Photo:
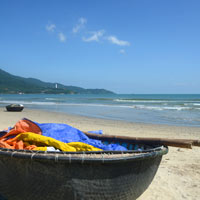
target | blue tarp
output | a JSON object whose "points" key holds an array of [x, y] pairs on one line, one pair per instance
{"points": [[66, 133]]}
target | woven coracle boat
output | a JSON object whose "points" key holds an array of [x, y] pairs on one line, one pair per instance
{"points": [[102, 175], [15, 107]]}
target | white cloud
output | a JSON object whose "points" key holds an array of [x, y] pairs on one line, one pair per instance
{"points": [[122, 51], [82, 20], [61, 37], [116, 41], [81, 24], [51, 27], [94, 37]]}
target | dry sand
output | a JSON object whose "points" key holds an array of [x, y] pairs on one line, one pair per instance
{"points": [[178, 176]]}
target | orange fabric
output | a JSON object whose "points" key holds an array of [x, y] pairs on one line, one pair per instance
{"points": [[21, 126], [5, 145], [13, 145], [19, 145], [30, 147]]}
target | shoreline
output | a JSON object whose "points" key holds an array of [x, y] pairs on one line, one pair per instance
{"points": [[179, 173], [163, 109], [108, 126]]}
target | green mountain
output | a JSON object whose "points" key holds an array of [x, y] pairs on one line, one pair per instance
{"points": [[11, 84]]}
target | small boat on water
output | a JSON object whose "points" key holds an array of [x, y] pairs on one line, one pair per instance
{"points": [[15, 107], [96, 175]]}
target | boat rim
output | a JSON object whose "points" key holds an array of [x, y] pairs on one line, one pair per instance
{"points": [[82, 157]]}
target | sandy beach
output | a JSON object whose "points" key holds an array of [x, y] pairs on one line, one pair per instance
{"points": [[178, 176]]}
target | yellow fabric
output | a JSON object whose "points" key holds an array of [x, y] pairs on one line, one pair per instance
{"points": [[40, 149], [80, 146], [43, 141]]}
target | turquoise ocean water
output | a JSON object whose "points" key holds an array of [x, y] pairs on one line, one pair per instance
{"points": [[180, 109]]}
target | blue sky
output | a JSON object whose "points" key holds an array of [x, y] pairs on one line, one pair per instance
{"points": [[127, 46]]}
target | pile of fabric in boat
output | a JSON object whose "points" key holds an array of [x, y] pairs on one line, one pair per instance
{"points": [[30, 135]]}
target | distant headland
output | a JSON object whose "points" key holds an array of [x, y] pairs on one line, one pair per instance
{"points": [[11, 84]]}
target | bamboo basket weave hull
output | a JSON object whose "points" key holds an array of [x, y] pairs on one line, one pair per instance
{"points": [[26, 175]]}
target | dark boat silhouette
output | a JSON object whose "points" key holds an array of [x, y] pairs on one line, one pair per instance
{"points": [[100, 175], [15, 107]]}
